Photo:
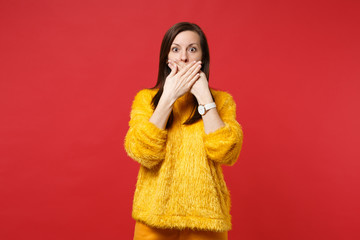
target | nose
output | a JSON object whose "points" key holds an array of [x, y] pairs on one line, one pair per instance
{"points": [[184, 56]]}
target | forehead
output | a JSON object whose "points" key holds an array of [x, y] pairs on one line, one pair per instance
{"points": [[186, 38]]}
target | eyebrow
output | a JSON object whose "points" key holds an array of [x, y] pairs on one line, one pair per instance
{"points": [[189, 44]]}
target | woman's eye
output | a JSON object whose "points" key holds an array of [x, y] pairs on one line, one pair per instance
{"points": [[192, 49], [175, 49]]}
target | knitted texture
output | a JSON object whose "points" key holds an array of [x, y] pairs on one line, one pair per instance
{"points": [[180, 182]]}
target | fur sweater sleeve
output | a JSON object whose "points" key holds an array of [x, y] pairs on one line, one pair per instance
{"points": [[144, 142], [224, 145]]}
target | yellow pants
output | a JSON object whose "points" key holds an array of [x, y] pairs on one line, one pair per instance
{"points": [[145, 232]]}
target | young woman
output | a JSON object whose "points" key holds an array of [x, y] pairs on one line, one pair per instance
{"points": [[181, 132]]}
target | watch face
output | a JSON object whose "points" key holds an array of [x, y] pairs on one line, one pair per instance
{"points": [[201, 110]]}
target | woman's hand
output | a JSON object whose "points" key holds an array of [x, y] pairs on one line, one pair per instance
{"points": [[198, 86], [180, 81], [177, 83], [200, 89]]}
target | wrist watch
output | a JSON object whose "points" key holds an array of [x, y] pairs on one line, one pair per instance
{"points": [[202, 109]]}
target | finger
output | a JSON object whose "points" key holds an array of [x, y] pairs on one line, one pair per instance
{"points": [[194, 73], [175, 62], [173, 68], [180, 64], [193, 70], [187, 67], [194, 79]]}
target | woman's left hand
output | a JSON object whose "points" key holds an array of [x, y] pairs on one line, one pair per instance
{"points": [[201, 90]]}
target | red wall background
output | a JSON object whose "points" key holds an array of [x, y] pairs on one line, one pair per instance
{"points": [[70, 70]]}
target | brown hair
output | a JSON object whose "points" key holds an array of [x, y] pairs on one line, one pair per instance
{"points": [[164, 69]]}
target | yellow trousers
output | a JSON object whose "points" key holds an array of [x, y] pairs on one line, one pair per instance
{"points": [[145, 232]]}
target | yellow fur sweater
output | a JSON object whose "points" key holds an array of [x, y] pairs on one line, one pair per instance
{"points": [[180, 182]]}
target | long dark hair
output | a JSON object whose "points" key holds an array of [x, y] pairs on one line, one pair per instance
{"points": [[164, 69]]}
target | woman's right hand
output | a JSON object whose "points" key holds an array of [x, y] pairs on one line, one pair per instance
{"points": [[179, 82]]}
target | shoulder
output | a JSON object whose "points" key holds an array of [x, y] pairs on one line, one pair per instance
{"points": [[222, 98], [145, 95], [220, 94], [143, 101]]}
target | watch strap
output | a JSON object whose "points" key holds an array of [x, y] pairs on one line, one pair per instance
{"points": [[210, 106]]}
